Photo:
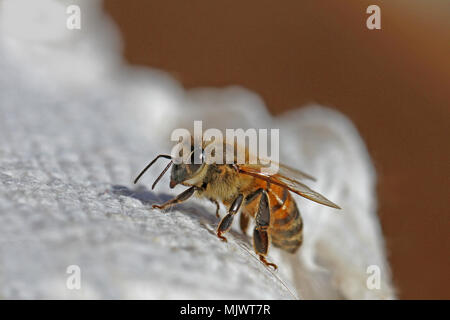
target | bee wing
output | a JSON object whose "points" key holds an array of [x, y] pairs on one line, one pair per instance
{"points": [[295, 174], [288, 178]]}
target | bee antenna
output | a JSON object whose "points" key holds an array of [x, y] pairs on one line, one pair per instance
{"points": [[150, 164], [162, 173]]}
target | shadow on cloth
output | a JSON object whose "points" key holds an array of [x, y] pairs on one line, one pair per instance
{"points": [[206, 219]]}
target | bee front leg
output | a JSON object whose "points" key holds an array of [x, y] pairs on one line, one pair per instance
{"points": [[225, 223], [179, 198], [260, 233]]}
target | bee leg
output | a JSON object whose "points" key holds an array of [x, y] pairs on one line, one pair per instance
{"points": [[243, 222], [261, 245], [244, 219], [217, 207], [179, 198], [260, 233], [225, 223], [263, 260]]}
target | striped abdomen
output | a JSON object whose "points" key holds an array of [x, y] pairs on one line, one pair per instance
{"points": [[286, 228]]}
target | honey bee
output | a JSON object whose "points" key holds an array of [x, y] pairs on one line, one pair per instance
{"points": [[247, 189]]}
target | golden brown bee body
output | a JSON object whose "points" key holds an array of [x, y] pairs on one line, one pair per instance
{"points": [[286, 225], [246, 189], [222, 183]]}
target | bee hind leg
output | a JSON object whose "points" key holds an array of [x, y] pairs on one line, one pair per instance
{"points": [[261, 245], [260, 233], [225, 223], [263, 260]]}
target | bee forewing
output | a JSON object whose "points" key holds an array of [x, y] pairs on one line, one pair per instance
{"points": [[283, 169], [287, 171], [303, 190], [286, 178]]}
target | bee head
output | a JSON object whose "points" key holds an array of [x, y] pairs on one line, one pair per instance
{"points": [[188, 169]]}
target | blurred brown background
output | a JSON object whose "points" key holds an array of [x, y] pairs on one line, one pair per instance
{"points": [[393, 83]]}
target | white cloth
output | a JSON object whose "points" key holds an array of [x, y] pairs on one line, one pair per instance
{"points": [[77, 125]]}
